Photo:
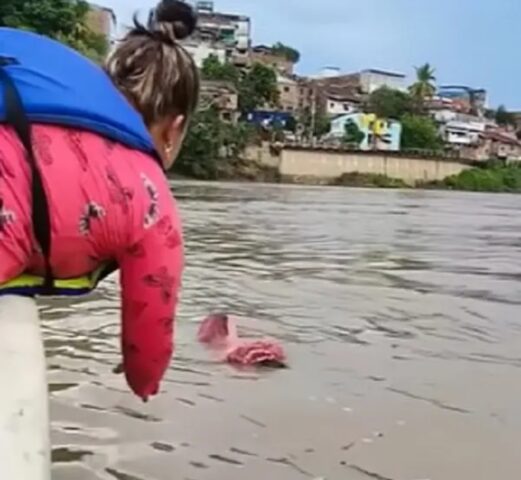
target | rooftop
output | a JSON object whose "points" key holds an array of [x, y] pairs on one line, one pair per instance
{"points": [[217, 84], [286, 79], [502, 137], [262, 48], [462, 87], [384, 72], [349, 98], [217, 17]]}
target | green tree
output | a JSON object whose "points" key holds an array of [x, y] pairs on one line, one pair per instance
{"points": [[258, 87], [210, 144], [419, 132], [388, 103], [63, 20], [504, 117], [424, 87], [491, 177], [213, 69], [201, 149], [353, 134], [322, 125], [287, 52]]}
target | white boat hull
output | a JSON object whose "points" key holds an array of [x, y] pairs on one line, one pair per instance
{"points": [[24, 403]]}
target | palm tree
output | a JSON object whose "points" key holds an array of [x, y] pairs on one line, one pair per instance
{"points": [[424, 88]]}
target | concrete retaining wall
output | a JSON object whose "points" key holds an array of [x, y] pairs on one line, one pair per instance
{"points": [[328, 164]]}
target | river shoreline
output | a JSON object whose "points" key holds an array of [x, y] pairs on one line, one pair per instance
{"points": [[494, 178]]}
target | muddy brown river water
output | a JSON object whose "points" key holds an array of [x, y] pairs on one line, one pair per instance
{"points": [[401, 313]]}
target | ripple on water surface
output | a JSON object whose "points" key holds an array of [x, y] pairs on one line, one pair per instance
{"points": [[400, 312]]}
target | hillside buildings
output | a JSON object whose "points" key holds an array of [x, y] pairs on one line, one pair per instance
{"points": [[227, 36]]}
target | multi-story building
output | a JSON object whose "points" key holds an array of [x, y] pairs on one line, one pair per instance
{"points": [[265, 55], [335, 95], [476, 137], [295, 96], [288, 94], [223, 96], [493, 144], [340, 94], [337, 105], [373, 79], [101, 20], [227, 36], [305, 95], [340, 97], [200, 50], [464, 99], [460, 129]]}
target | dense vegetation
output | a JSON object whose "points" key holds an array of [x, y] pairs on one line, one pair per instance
{"points": [[491, 177], [287, 52], [419, 132], [63, 20], [256, 87], [494, 177], [213, 148]]}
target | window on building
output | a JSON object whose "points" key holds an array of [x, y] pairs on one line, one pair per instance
{"points": [[286, 89], [226, 116]]}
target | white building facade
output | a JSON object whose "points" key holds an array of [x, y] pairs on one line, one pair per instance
{"points": [[372, 79], [460, 129]]}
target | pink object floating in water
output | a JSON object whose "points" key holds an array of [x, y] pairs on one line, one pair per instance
{"points": [[219, 332]]}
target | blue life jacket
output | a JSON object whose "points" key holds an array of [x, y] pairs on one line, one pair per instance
{"points": [[60, 86], [44, 81]]}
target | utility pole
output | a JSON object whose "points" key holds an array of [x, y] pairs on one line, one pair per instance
{"points": [[313, 112]]}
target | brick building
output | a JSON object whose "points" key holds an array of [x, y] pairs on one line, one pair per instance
{"points": [[265, 55], [101, 20]]}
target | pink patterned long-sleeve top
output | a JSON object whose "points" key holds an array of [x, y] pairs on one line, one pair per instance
{"points": [[107, 202]]}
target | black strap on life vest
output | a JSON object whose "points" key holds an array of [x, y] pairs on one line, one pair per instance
{"points": [[16, 118]]}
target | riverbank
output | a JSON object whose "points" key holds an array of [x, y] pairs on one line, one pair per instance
{"points": [[491, 178], [236, 170], [494, 178]]}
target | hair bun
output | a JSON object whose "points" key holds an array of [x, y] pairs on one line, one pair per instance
{"points": [[175, 18]]}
